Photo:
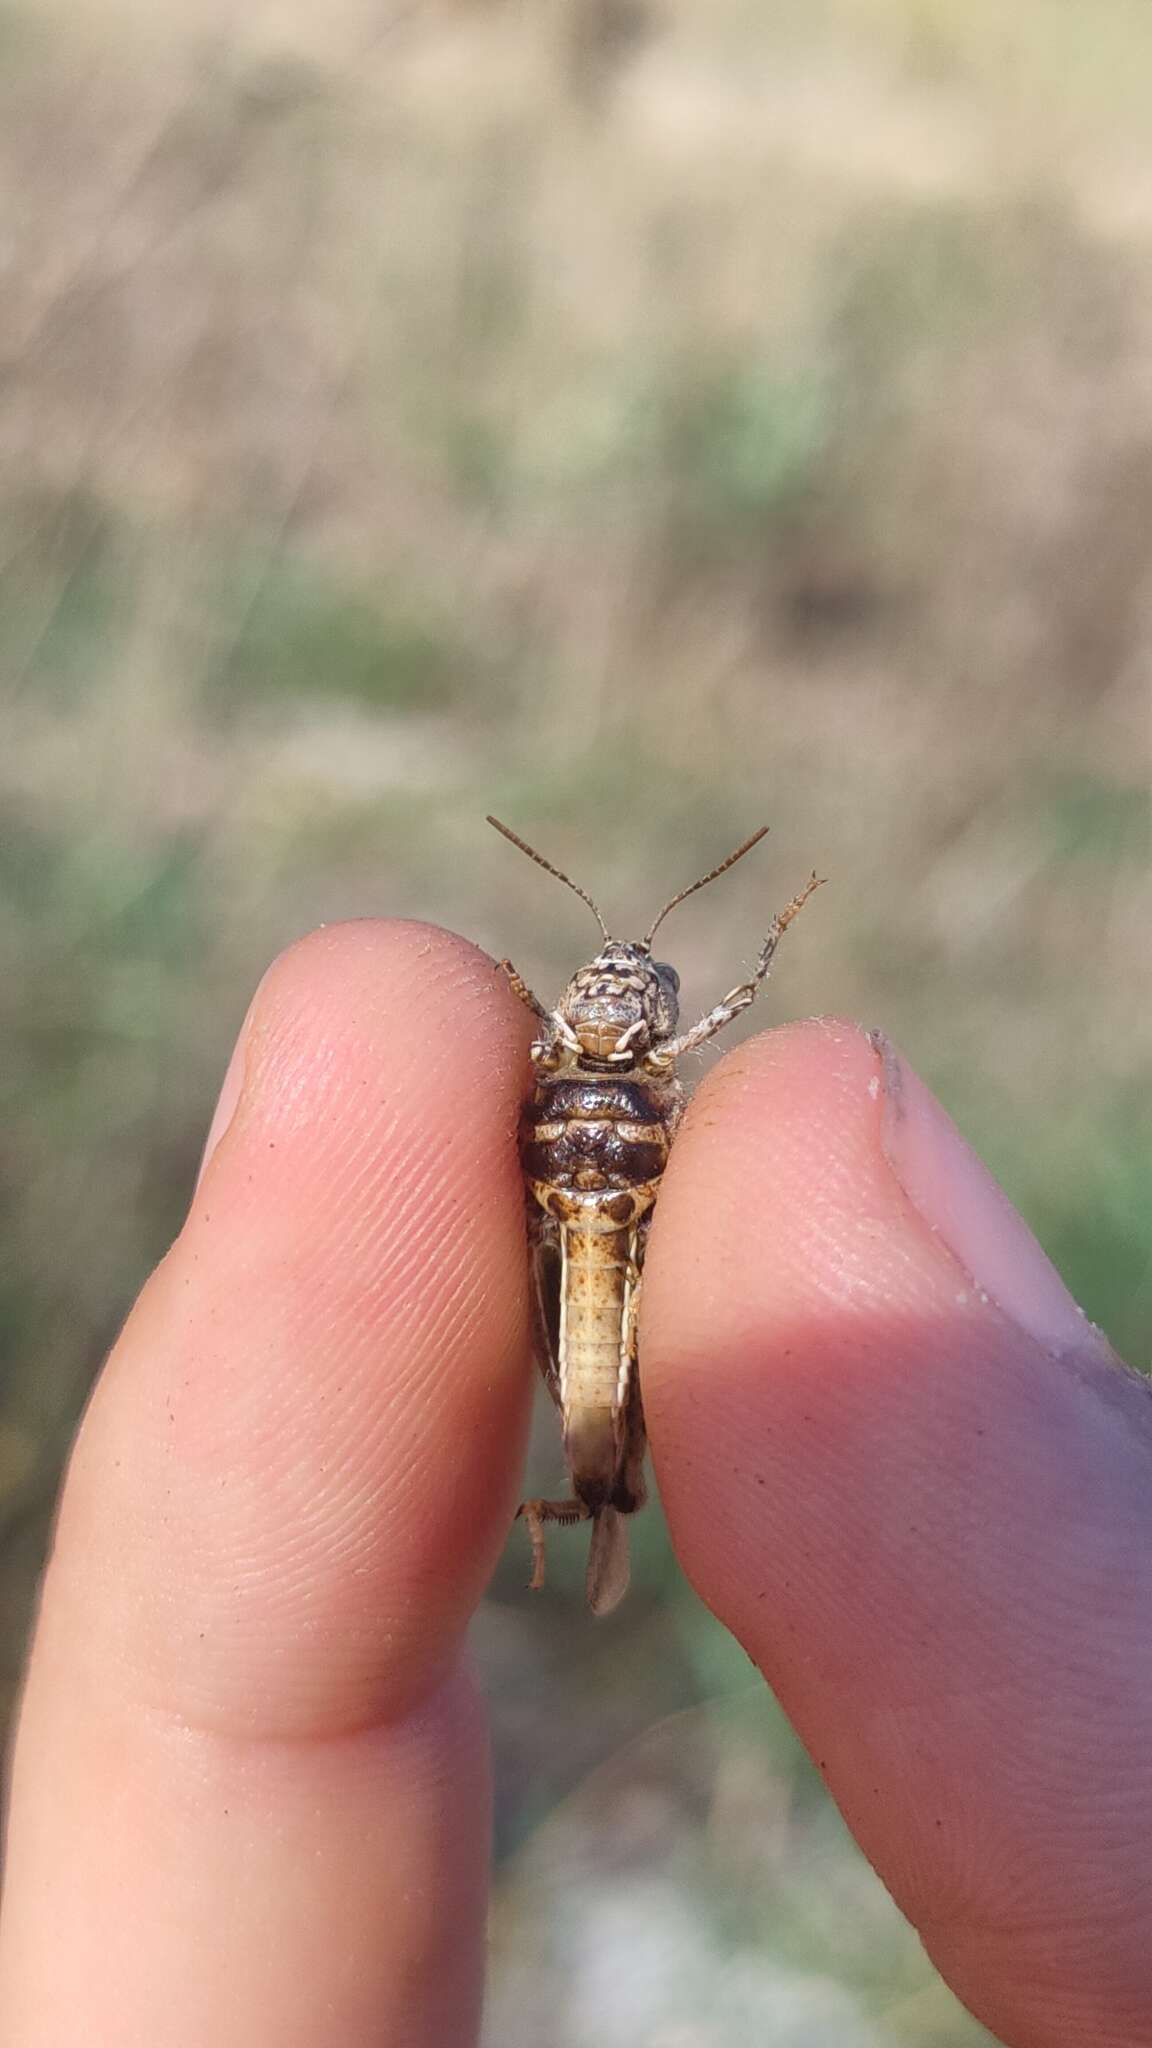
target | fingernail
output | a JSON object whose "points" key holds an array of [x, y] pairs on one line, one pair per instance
{"points": [[227, 1100], [961, 1203]]}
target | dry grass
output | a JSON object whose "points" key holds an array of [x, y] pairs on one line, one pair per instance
{"points": [[626, 416]]}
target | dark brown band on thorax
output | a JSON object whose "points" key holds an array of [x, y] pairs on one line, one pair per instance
{"points": [[591, 1134]]}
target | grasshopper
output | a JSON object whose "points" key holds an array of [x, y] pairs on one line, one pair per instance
{"points": [[594, 1142]]}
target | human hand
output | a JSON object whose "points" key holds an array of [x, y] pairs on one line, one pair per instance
{"points": [[250, 1795]]}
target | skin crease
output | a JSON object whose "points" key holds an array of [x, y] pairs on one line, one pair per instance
{"points": [[250, 1732]]}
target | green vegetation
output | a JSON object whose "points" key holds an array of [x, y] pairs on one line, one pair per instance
{"points": [[302, 634]]}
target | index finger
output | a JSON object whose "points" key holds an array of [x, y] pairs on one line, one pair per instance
{"points": [[248, 1733]]}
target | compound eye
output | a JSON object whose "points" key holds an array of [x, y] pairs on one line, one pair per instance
{"points": [[667, 973]]}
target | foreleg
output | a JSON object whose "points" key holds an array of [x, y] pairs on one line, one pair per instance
{"points": [[522, 992], [737, 999]]}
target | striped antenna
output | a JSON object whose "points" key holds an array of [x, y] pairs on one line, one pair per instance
{"points": [[704, 879], [550, 870]]}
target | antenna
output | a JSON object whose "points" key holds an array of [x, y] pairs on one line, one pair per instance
{"points": [[559, 872], [702, 883]]}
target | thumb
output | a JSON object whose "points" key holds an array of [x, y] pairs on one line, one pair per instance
{"points": [[900, 1465]]}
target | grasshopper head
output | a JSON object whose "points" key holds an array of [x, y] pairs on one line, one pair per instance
{"points": [[621, 1004]]}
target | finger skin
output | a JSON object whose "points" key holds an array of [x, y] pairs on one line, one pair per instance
{"points": [[250, 1799], [933, 1536]]}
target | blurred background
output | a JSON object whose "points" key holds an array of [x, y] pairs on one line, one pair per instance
{"points": [[641, 418]]}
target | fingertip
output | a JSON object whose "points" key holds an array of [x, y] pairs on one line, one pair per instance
{"points": [[775, 1170], [809, 1292], [376, 989], [304, 1455], [923, 1514]]}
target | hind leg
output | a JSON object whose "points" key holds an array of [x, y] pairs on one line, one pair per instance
{"points": [[535, 1513], [630, 1491]]}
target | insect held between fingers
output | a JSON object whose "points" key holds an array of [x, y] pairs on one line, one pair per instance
{"points": [[594, 1142]]}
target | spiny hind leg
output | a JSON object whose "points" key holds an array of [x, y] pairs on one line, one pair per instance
{"points": [[535, 1513], [631, 1312], [544, 1256], [631, 1492], [544, 1247]]}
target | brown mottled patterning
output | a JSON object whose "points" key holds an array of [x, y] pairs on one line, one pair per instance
{"points": [[594, 1144], [594, 1150]]}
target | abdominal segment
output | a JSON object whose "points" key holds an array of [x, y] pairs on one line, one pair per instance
{"points": [[598, 1280], [594, 1150]]}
